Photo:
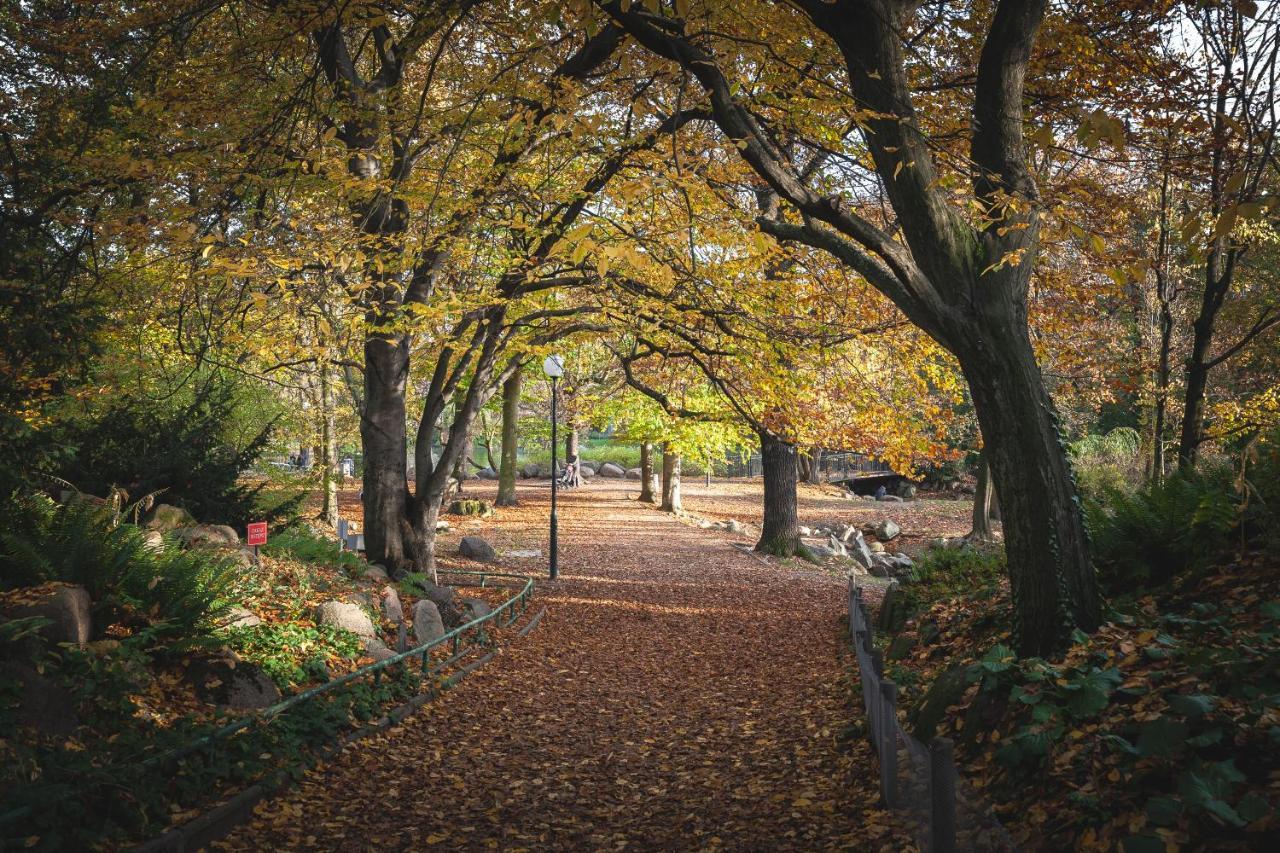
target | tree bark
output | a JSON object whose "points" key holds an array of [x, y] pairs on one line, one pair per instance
{"points": [[1050, 572], [985, 507], [780, 534], [670, 479], [383, 437], [510, 448], [646, 473], [328, 449]]}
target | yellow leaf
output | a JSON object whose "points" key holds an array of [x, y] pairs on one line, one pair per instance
{"points": [[436, 839]]}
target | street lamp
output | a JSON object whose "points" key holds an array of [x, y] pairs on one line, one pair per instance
{"points": [[553, 366]]}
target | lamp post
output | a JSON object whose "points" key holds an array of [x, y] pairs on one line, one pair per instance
{"points": [[553, 366]]}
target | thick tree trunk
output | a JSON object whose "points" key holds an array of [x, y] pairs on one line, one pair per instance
{"points": [[646, 473], [510, 421], [670, 479], [1049, 567], [1163, 371], [328, 449], [985, 508], [780, 534], [463, 433], [383, 437], [815, 466]]}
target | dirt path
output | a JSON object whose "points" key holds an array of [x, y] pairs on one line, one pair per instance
{"points": [[678, 695]]}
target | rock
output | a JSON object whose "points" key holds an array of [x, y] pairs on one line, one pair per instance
{"points": [[240, 617], [42, 705], [375, 574], [819, 551], [705, 524], [392, 610], [475, 548], [531, 470], [207, 534], [427, 622], [836, 546], [67, 608], [890, 499], [166, 517], [945, 691], [609, 469], [939, 542], [441, 525], [237, 685], [377, 650], [635, 474], [487, 474], [351, 617], [875, 547], [474, 608], [735, 526], [858, 550], [887, 531], [893, 610], [881, 565], [587, 472], [242, 557], [805, 532], [470, 506], [906, 491], [153, 540], [584, 466], [929, 633]]}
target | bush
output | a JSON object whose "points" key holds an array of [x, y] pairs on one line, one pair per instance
{"points": [[1108, 463], [82, 544], [1162, 530], [304, 545], [292, 654], [187, 453]]}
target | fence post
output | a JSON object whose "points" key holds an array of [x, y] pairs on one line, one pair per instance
{"points": [[942, 795], [889, 744]]}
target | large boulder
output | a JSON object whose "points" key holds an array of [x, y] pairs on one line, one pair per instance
{"points": [[635, 474], [66, 608], [475, 608], [428, 625], [470, 506], [207, 534], [392, 609], [887, 530], [153, 540], [239, 617], [858, 550], [487, 474], [237, 685], [609, 469], [375, 574], [348, 616], [531, 470], [587, 471], [475, 548], [167, 517]]}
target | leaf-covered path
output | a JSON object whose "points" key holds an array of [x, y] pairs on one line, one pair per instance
{"points": [[679, 694]]}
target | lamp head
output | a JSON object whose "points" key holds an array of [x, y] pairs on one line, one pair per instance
{"points": [[553, 366]]}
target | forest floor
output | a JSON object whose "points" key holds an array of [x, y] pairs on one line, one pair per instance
{"points": [[679, 693]]}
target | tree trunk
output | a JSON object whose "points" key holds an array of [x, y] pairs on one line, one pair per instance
{"points": [[1193, 406], [571, 452], [328, 449], [670, 479], [510, 421], [780, 534], [383, 437], [646, 473], [984, 502], [1049, 567], [463, 433], [815, 466], [1162, 393]]}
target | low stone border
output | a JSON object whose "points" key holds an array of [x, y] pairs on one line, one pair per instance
{"points": [[218, 822]]}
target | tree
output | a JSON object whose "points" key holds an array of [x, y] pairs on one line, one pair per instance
{"points": [[962, 279], [510, 439]]}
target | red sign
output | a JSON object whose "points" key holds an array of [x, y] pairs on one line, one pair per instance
{"points": [[257, 533]]}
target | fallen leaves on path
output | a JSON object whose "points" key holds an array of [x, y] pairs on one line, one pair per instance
{"points": [[678, 694]]}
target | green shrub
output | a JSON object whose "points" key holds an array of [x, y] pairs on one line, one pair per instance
{"points": [[79, 543], [304, 545], [1162, 530], [1108, 463], [292, 654], [965, 569], [188, 453]]}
